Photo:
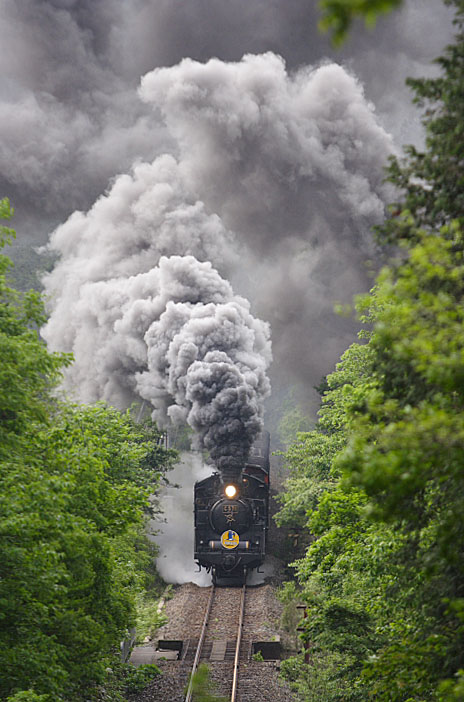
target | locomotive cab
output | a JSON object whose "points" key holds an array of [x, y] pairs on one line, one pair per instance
{"points": [[232, 518]]}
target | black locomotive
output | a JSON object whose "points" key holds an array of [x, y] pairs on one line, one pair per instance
{"points": [[232, 518]]}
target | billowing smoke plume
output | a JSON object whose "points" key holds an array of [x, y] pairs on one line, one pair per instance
{"points": [[178, 337], [209, 355], [277, 181], [173, 528], [271, 151], [69, 119], [293, 164]]}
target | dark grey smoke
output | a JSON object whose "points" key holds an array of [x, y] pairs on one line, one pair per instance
{"points": [[176, 336], [69, 116], [208, 356], [293, 164], [277, 182]]}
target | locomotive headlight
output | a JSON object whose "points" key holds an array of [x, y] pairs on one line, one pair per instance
{"points": [[230, 491]]}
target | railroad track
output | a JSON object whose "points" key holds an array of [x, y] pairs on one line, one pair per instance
{"points": [[221, 637]]}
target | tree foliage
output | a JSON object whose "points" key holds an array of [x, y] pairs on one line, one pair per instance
{"points": [[338, 15], [74, 487], [383, 578], [432, 179]]}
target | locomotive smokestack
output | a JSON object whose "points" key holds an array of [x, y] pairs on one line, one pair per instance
{"points": [[230, 473]]}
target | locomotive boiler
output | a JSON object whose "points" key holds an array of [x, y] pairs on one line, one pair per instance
{"points": [[232, 517]]}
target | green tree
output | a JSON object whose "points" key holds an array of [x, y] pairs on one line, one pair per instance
{"points": [[338, 15], [384, 578], [341, 576], [71, 559], [309, 460], [432, 180], [28, 371], [74, 487]]}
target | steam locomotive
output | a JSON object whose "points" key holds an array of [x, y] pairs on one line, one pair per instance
{"points": [[232, 518]]}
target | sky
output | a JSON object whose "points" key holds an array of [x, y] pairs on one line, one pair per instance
{"points": [[135, 131]]}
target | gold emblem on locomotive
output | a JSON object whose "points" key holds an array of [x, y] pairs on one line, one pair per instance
{"points": [[229, 512]]}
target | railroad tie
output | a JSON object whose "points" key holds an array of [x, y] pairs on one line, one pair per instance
{"points": [[218, 650]]}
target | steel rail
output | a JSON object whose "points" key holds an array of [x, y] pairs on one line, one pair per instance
{"points": [[237, 647], [188, 694]]}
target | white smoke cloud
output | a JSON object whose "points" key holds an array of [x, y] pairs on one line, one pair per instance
{"points": [[293, 164], [178, 337], [278, 179], [268, 150], [173, 529], [144, 215]]}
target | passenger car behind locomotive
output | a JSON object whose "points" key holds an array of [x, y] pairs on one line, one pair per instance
{"points": [[232, 517]]}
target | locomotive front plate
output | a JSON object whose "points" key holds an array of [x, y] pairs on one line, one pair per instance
{"points": [[230, 539]]}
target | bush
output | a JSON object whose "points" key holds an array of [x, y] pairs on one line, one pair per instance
{"points": [[138, 678], [28, 696]]}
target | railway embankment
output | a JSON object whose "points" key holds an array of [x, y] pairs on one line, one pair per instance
{"points": [[261, 634]]}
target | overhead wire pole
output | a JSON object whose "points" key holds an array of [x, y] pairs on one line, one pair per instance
{"points": [[142, 407]]}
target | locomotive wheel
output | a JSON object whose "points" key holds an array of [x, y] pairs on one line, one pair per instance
{"points": [[214, 577]]}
